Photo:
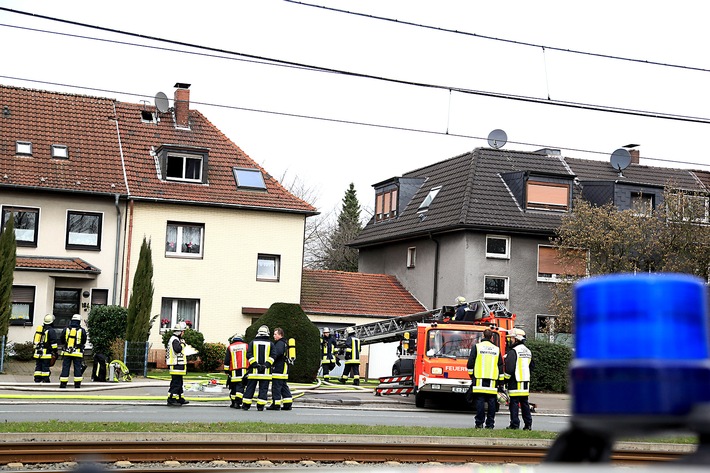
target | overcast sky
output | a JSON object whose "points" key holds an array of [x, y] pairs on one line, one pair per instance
{"points": [[402, 127]]}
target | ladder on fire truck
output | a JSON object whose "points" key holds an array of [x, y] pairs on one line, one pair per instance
{"points": [[394, 329]]}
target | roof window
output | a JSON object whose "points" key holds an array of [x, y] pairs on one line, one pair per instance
{"points": [[23, 147], [429, 199], [147, 117], [249, 178], [60, 152]]}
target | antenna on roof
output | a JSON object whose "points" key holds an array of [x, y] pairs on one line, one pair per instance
{"points": [[161, 102], [497, 139], [620, 160]]}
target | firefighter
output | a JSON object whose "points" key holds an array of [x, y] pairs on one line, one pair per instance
{"points": [[485, 367], [260, 359], [280, 392], [461, 306], [518, 363], [352, 358], [329, 359], [74, 338], [45, 345], [235, 365], [177, 363]]}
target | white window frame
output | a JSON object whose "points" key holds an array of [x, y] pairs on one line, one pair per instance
{"points": [[173, 311], [642, 203], [505, 255], [411, 256], [185, 157], [179, 253], [276, 259], [426, 203], [705, 202], [60, 152], [23, 148], [506, 285]]}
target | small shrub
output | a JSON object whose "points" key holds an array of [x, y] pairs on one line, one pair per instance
{"points": [[551, 369], [22, 351], [212, 357], [106, 323]]}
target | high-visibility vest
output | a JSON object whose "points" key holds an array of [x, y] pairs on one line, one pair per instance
{"points": [[522, 371], [260, 353], [175, 360], [485, 370], [237, 361], [352, 351], [328, 352]]}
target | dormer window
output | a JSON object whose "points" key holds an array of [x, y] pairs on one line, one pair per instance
{"points": [[547, 195], [147, 117], [249, 178], [184, 168], [186, 164], [23, 148], [386, 204], [60, 152], [429, 199]]}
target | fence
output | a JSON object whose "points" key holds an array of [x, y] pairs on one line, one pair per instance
{"points": [[135, 357]]}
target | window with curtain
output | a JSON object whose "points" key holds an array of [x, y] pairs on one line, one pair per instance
{"points": [[174, 310], [184, 239], [267, 267], [23, 303], [552, 266]]}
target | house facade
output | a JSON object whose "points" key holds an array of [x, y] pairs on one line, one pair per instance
{"points": [[479, 225], [226, 237]]}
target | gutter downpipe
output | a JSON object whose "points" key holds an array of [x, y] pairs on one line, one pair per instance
{"points": [[118, 209], [118, 247], [128, 251], [435, 285]]}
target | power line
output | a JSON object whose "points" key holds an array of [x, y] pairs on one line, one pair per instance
{"points": [[502, 40], [482, 93], [349, 122]]}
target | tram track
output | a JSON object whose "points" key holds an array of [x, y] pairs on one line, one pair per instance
{"points": [[137, 452]]}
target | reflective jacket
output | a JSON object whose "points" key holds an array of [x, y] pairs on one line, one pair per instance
{"points": [[235, 361], [45, 341], [328, 348], [74, 339], [485, 367], [260, 358], [174, 356], [280, 354], [518, 362], [352, 350]]}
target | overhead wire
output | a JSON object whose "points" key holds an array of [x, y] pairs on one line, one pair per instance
{"points": [[263, 60]]}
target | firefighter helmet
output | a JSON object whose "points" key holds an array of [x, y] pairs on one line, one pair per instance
{"points": [[518, 334], [76, 317], [460, 300], [350, 330], [237, 337], [263, 331], [48, 319], [326, 330]]}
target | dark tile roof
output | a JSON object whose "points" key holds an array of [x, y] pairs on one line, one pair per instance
{"points": [[473, 195], [43, 118], [87, 126], [359, 294], [38, 263], [591, 170]]}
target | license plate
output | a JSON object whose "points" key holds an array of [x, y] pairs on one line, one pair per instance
{"points": [[457, 389]]}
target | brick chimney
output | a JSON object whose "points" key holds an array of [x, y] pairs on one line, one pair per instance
{"points": [[634, 152], [182, 105]]}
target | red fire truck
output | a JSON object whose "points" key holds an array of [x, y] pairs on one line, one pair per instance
{"points": [[434, 348]]}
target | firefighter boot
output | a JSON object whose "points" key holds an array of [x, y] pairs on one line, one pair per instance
{"points": [[273, 407], [182, 401], [245, 406], [62, 385], [77, 384], [356, 382], [233, 404], [286, 406], [172, 401]]}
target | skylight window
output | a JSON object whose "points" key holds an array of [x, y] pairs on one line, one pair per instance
{"points": [[429, 198], [60, 152], [23, 147], [249, 178]]}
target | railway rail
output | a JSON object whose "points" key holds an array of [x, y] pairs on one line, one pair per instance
{"points": [[290, 452]]}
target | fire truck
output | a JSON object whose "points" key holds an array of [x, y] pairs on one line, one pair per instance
{"points": [[434, 348]]}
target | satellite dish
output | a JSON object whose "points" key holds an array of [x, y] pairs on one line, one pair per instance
{"points": [[161, 102], [497, 139], [620, 159]]}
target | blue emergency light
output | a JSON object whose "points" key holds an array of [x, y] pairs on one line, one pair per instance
{"points": [[641, 346]]}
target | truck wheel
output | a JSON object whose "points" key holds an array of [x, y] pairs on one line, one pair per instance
{"points": [[395, 370], [420, 399]]}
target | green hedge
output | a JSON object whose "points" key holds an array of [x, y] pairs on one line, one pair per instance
{"points": [[106, 323], [212, 357], [551, 369]]}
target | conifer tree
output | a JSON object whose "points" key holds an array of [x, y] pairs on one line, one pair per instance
{"points": [[337, 255], [8, 259], [138, 321]]}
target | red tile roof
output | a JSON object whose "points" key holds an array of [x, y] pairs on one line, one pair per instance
{"points": [[343, 293], [87, 126], [36, 263]]}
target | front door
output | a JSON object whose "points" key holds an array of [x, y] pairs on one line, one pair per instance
{"points": [[66, 304]]}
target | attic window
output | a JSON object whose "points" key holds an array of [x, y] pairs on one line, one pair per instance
{"points": [[429, 198], [547, 196], [184, 168], [249, 178], [147, 117], [386, 204], [60, 152], [23, 147]]}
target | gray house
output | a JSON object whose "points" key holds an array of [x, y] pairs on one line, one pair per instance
{"points": [[479, 225]]}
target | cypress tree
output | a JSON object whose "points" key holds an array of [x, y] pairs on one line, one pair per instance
{"points": [[8, 259], [138, 321]]}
